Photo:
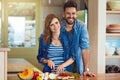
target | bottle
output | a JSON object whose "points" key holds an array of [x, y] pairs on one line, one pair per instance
{"points": [[106, 68], [116, 69], [119, 70], [109, 69], [112, 69]]}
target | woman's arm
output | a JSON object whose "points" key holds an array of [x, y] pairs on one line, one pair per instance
{"points": [[68, 62], [61, 67]]}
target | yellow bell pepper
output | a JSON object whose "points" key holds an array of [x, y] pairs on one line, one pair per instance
{"points": [[38, 78]]}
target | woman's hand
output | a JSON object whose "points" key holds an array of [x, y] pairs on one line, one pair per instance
{"points": [[60, 68], [51, 64]]}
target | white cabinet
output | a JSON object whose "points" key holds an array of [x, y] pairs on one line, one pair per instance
{"points": [[97, 32], [112, 20], [113, 38], [3, 63]]}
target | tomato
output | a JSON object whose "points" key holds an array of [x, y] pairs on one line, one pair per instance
{"points": [[65, 74], [35, 75]]}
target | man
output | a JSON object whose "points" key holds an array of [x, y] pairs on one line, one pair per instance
{"points": [[77, 34]]}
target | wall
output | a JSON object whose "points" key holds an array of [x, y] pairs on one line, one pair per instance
{"points": [[96, 25], [29, 53]]}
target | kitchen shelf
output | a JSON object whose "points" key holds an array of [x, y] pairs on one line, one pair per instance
{"points": [[113, 12], [112, 34], [113, 56]]}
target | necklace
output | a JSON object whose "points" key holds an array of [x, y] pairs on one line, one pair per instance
{"points": [[56, 42]]}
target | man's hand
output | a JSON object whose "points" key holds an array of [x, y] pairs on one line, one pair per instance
{"points": [[88, 73]]}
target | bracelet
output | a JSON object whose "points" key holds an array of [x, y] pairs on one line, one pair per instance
{"points": [[42, 59]]}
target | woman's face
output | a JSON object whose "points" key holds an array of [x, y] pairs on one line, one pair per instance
{"points": [[55, 25]]}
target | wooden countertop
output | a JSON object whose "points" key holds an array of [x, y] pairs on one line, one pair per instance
{"points": [[17, 65], [110, 76]]}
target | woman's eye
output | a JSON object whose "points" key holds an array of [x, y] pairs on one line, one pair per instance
{"points": [[51, 24], [56, 22]]}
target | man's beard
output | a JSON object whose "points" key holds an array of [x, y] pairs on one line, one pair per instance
{"points": [[68, 22]]}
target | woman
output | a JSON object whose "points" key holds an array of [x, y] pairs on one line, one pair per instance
{"points": [[54, 51]]}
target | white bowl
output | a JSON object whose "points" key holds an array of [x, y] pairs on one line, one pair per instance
{"points": [[113, 4], [110, 51], [118, 51]]}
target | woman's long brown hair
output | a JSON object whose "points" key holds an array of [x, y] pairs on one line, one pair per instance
{"points": [[47, 32]]}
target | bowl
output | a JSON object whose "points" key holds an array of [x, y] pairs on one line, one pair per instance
{"points": [[110, 51], [113, 28], [118, 51], [114, 25], [115, 5]]}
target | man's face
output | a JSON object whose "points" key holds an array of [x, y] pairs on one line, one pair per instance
{"points": [[70, 14]]}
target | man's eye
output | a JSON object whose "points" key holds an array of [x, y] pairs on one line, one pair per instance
{"points": [[67, 13], [73, 13]]}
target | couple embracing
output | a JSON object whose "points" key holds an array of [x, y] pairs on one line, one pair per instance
{"points": [[65, 43]]}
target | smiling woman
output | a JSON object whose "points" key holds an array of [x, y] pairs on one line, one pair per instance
{"points": [[54, 51]]}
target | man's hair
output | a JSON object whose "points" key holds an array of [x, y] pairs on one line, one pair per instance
{"points": [[70, 3]]}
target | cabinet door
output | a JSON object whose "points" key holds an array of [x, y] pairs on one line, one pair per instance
{"points": [[0, 23], [20, 22]]}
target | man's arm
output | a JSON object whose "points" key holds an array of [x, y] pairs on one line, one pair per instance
{"points": [[86, 58]]}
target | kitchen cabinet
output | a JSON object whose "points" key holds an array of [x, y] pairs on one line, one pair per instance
{"points": [[112, 35], [3, 63], [112, 17]]}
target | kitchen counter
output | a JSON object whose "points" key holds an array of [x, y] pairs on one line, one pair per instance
{"points": [[110, 76], [16, 65]]}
